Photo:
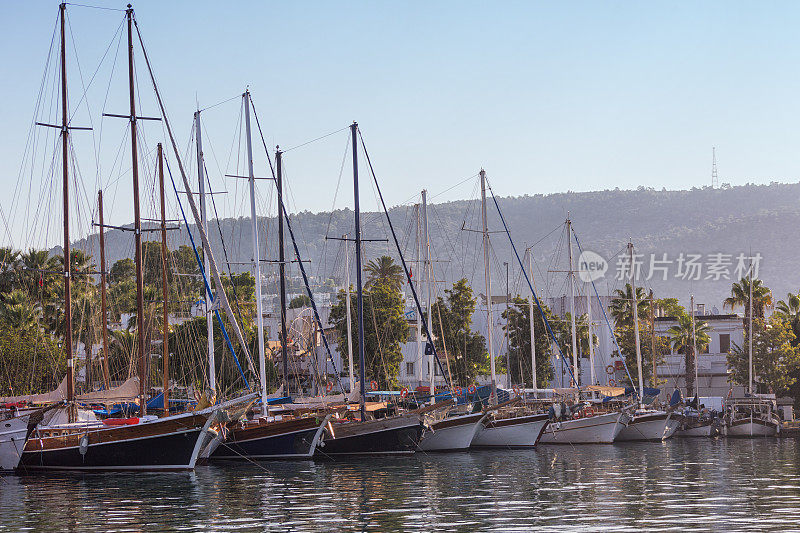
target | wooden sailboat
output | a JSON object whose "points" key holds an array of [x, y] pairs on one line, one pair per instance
{"points": [[395, 435], [73, 439]]}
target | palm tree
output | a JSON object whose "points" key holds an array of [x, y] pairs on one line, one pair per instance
{"points": [[9, 265], [18, 312], [681, 338], [790, 309], [384, 270], [740, 295], [622, 304]]}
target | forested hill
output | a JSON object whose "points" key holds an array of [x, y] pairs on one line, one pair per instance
{"points": [[763, 219]]}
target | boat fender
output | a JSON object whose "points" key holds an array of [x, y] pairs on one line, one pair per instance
{"points": [[576, 415], [556, 410], [610, 370], [404, 392], [588, 411], [373, 385], [84, 444]]}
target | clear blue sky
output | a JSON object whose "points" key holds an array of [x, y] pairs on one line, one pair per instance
{"points": [[547, 96]]}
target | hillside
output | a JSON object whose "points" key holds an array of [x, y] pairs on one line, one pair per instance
{"points": [[731, 220]]}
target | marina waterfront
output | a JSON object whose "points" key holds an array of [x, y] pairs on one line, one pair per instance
{"points": [[680, 484]]}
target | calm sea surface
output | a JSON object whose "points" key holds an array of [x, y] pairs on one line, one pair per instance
{"points": [[678, 485]]}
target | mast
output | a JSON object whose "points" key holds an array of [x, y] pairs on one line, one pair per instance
{"points": [[636, 322], [591, 335], [533, 332], [420, 352], [262, 361], [67, 256], [572, 306], [428, 275], [653, 338], [282, 270], [750, 333], [165, 295], [349, 317], [694, 351], [212, 366], [488, 284], [138, 227], [508, 351], [103, 308], [359, 287]]}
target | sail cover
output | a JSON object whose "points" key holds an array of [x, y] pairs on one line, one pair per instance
{"points": [[57, 395]]}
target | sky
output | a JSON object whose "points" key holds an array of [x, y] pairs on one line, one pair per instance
{"points": [[546, 96]]}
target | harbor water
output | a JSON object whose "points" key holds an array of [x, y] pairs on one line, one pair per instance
{"points": [[697, 484]]}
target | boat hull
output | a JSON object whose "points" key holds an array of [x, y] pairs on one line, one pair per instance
{"points": [[386, 436], [754, 427], [13, 434], [284, 439], [598, 429], [455, 433], [170, 443], [650, 427], [518, 432]]}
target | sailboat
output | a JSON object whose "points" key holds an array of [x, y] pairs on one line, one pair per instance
{"points": [[266, 436], [753, 415], [646, 424], [71, 438], [394, 435], [587, 421], [513, 424]]}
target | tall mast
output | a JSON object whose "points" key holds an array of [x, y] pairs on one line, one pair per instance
{"points": [[165, 295], [694, 351], [67, 258], [212, 365], [508, 351], [571, 274], [591, 334], [262, 361], [636, 322], [531, 324], [428, 276], [488, 279], [138, 227], [359, 287], [420, 268], [349, 315], [103, 308], [654, 379], [750, 332], [282, 270]]}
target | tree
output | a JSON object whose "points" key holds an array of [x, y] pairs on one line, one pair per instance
{"points": [[466, 349], [385, 328], [518, 328], [622, 304], [33, 361], [18, 312], [776, 361], [301, 300], [384, 270], [790, 310], [681, 338], [625, 332], [740, 296]]}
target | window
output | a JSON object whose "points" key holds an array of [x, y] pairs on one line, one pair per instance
{"points": [[409, 369], [724, 342]]}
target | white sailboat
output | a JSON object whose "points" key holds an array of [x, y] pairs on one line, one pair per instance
{"points": [[13, 434], [503, 428], [646, 424]]}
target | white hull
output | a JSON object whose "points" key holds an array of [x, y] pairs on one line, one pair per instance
{"points": [[599, 429], [699, 431], [13, 432], [456, 433], [650, 427], [755, 428], [520, 432]]}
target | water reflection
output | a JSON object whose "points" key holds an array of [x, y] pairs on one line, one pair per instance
{"points": [[689, 483]]}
